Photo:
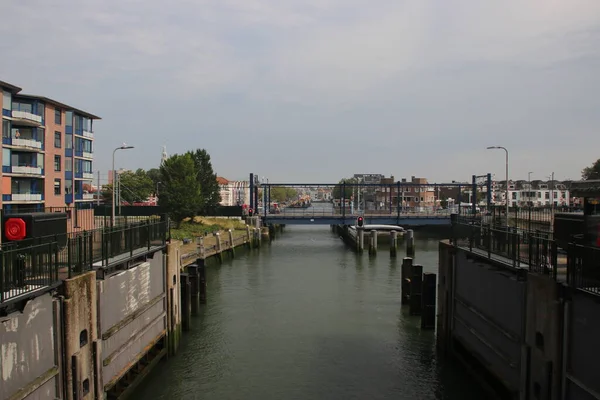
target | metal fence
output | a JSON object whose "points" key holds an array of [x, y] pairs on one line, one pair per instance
{"points": [[536, 252], [527, 218], [583, 268], [43, 262]]}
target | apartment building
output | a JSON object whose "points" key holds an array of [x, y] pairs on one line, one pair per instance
{"points": [[536, 193], [47, 155], [413, 194]]}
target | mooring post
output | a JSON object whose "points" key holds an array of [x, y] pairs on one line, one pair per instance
{"points": [[200, 245], [201, 280], [405, 279], [360, 239], [428, 301], [186, 301], [231, 244], [248, 236], [219, 246], [416, 278], [373, 245], [410, 243], [393, 243], [194, 288]]}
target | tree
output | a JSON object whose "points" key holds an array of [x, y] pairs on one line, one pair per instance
{"points": [[282, 194], [591, 172], [180, 191], [135, 187], [207, 179], [337, 190], [154, 175]]}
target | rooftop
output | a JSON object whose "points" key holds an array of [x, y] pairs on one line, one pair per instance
{"points": [[57, 103]]}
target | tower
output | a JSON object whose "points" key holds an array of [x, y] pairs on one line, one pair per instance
{"points": [[164, 155]]}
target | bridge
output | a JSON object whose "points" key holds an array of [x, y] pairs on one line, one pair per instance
{"points": [[409, 204], [322, 216]]}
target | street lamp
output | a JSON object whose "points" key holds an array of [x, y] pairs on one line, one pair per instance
{"points": [[529, 195], [123, 147], [506, 151]]}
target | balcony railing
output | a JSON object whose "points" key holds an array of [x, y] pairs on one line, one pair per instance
{"points": [[27, 116], [88, 134], [22, 142], [27, 170], [88, 175], [86, 154], [26, 197], [88, 196]]}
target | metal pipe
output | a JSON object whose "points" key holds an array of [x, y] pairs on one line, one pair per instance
{"points": [[123, 147]]}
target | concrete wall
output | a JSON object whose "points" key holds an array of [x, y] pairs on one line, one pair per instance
{"points": [[132, 316], [488, 319], [173, 262], [81, 337], [30, 351], [583, 352]]}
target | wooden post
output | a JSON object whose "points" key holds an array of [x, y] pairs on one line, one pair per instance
{"points": [[231, 244], [201, 280], [186, 301], [360, 239], [405, 279], [393, 243], [410, 243], [428, 301], [373, 245], [194, 288], [416, 277]]}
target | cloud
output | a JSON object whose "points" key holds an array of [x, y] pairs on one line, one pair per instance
{"points": [[425, 79]]}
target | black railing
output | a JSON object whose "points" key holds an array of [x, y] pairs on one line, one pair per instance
{"points": [[42, 262], [527, 218], [583, 268], [536, 252]]}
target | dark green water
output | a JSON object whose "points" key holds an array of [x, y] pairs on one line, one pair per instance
{"points": [[305, 318]]}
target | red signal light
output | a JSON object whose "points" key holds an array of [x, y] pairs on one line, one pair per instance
{"points": [[15, 229]]}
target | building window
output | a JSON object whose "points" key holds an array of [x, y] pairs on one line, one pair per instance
{"points": [[68, 141], [57, 143], [68, 164], [57, 116], [6, 100], [56, 163], [57, 189]]}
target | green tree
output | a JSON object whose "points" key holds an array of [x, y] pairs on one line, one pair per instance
{"points": [[207, 179], [337, 190], [154, 175], [281, 194], [135, 187], [591, 172], [180, 191]]}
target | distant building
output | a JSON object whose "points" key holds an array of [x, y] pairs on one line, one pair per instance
{"points": [[233, 193], [536, 193], [413, 194]]}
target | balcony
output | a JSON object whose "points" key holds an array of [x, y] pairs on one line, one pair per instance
{"points": [[85, 154], [23, 170], [88, 175], [88, 134], [26, 144], [88, 196], [26, 118]]}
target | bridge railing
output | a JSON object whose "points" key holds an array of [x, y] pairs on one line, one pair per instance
{"points": [[337, 212]]}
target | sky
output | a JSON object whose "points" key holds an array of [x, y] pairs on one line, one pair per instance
{"points": [[305, 91]]}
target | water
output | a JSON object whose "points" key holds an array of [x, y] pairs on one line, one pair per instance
{"points": [[306, 318]]}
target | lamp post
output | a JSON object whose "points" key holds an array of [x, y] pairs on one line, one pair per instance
{"points": [[123, 147], [506, 151], [529, 194]]}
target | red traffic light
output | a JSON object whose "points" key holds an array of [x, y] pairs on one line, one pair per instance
{"points": [[15, 229], [359, 221]]}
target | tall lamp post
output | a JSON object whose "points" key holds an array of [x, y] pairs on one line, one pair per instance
{"points": [[506, 151], [529, 194], [123, 147]]}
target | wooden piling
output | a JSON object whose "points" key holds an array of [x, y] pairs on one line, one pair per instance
{"points": [[416, 277], [201, 280], [373, 244], [410, 243], [186, 301], [405, 279], [393, 243], [428, 301]]}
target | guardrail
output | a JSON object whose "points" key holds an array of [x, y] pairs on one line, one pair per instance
{"points": [[334, 213], [535, 251], [583, 268], [43, 262]]}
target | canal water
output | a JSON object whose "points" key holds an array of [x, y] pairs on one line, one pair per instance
{"points": [[306, 318]]}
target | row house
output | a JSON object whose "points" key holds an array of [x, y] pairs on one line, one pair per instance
{"points": [[47, 154], [535, 193]]}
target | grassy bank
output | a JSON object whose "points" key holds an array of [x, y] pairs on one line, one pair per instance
{"points": [[201, 226]]}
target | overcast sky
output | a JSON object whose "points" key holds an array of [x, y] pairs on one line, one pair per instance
{"points": [[315, 90]]}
